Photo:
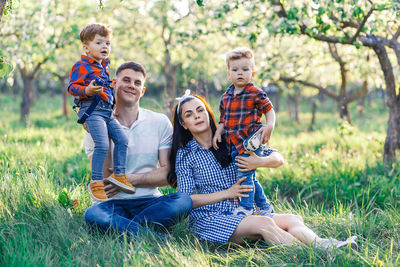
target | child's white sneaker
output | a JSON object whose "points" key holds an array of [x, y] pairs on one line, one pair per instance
{"points": [[332, 243]]}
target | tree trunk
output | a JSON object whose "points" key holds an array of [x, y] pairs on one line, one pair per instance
{"points": [[342, 100], [393, 128], [202, 88], [361, 102], [27, 96], [289, 106], [296, 101], [170, 79], [313, 113], [277, 98], [15, 87], [2, 7], [65, 103], [344, 111]]}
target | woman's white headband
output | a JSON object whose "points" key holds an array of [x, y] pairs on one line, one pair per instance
{"points": [[186, 95]]}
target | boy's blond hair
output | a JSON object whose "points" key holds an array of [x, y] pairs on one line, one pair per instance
{"points": [[89, 31], [238, 53]]}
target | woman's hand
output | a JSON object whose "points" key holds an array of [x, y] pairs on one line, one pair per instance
{"points": [[237, 189], [249, 163]]}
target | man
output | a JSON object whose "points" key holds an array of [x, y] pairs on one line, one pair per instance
{"points": [[147, 164]]}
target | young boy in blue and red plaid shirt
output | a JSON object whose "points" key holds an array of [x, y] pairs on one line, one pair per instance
{"points": [[99, 120], [241, 108]]}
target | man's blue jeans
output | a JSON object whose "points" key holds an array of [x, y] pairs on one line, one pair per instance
{"points": [[130, 215], [101, 125], [256, 196]]}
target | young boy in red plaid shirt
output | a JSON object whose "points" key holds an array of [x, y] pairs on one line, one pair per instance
{"points": [[96, 103], [241, 108]]}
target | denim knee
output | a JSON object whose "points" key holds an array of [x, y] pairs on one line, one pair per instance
{"points": [[102, 147], [94, 215], [183, 203]]}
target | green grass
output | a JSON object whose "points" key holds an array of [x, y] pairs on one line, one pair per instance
{"points": [[334, 178]]}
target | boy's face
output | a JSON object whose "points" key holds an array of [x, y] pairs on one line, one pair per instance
{"points": [[240, 72], [129, 86], [99, 48]]}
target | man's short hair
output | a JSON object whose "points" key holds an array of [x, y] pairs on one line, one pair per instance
{"points": [[238, 53], [131, 65], [89, 31]]}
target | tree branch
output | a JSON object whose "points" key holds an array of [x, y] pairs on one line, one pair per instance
{"points": [[323, 90], [344, 24], [335, 54], [357, 95], [361, 26], [396, 34], [2, 7]]}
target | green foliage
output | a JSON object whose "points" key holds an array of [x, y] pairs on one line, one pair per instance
{"points": [[5, 66], [333, 179], [200, 2]]}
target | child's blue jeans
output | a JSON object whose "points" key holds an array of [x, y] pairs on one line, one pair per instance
{"points": [[256, 196], [103, 125]]}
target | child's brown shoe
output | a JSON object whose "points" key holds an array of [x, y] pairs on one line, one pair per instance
{"points": [[96, 189], [122, 182]]}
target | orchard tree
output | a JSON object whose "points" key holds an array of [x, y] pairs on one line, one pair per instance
{"points": [[342, 98], [171, 37], [31, 36], [347, 22], [5, 7], [355, 23], [5, 65]]}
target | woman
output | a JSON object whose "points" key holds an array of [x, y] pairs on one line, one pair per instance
{"points": [[209, 178]]}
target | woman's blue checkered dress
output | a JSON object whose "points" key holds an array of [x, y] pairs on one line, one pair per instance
{"points": [[199, 172]]}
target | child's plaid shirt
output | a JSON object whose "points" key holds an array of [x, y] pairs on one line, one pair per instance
{"points": [[83, 72], [241, 113]]}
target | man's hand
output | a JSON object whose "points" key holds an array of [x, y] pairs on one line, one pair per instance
{"points": [[249, 163], [92, 89], [110, 189], [266, 132]]}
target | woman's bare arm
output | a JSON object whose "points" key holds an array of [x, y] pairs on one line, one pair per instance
{"points": [[234, 191]]}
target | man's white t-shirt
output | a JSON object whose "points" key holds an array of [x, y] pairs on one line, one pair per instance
{"points": [[150, 133]]}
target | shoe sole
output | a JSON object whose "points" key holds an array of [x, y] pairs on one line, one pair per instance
{"points": [[95, 198], [121, 186], [246, 142], [351, 241]]}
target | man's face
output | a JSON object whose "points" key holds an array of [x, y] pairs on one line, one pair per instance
{"points": [[129, 86]]}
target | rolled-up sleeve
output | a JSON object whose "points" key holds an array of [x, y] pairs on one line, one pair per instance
{"points": [[184, 173], [78, 75], [263, 102]]}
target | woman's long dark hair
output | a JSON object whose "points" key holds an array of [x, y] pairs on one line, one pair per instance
{"points": [[181, 136]]}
